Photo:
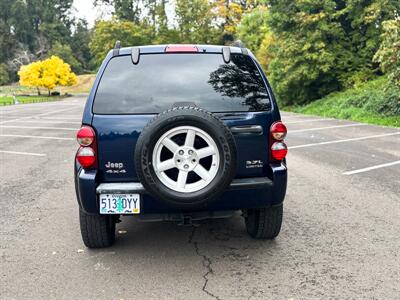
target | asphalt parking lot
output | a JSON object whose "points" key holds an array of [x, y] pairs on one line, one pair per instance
{"points": [[340, 236]]}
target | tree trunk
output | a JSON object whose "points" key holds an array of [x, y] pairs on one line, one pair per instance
{"points": [[38, 91]]}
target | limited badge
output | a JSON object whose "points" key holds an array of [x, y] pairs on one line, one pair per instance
{"points": [[254, 164]]}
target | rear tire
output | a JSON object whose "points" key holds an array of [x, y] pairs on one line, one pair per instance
{"points": [[98, 231], [265, 222]]}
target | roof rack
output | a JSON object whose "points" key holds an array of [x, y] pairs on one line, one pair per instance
{"points": [[135, 55], [242, 46], [226, 54], [116, 48], [239, 44]]}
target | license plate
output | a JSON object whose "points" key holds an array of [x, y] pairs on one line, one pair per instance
{"points": [[119, 203]]}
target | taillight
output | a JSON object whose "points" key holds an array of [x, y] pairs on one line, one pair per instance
{"points": [[278, 131], [278, 147], [278, 150], [85, 136], [86, 155]]}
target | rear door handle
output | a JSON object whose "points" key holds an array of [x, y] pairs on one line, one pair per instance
{"points": [[247, 129]]}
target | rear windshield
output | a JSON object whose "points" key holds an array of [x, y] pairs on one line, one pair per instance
{"points": [[161, 81]]}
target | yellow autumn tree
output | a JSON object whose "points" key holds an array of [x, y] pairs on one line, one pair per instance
{"points": [[230, 13], [47, 74]]}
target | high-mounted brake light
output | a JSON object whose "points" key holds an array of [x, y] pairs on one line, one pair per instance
{"points": [[86, 155], [278, 147], [181, 48]]}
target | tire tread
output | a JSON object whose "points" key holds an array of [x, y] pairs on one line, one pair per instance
{"points": [[96, 230], [265, 222]]}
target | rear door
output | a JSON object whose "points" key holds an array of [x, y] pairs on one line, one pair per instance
{"points": [[129, 95]]}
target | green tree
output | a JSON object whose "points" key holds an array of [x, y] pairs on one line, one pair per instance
{"points": [[36, 29], [152, 13], [304, 59], [253, 28], [7, 38], [388, 54], [4, 78], [66, 54], [50, 21], [107, 32], [195, 21], [125, 10], [361, 22], [265, 52], [229, 14], [28, 28], [323, 46], [80, 41], [165, 34]]}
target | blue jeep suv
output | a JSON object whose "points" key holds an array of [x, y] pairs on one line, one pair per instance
{"points": [[180, 133]]}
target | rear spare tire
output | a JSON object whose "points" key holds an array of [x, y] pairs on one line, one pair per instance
{"points": [[186, 157]]}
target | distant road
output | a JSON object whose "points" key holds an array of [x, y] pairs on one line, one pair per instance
{"points": [[340, 237]]}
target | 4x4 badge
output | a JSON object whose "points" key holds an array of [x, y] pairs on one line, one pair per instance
{"points": [[115, 168]]}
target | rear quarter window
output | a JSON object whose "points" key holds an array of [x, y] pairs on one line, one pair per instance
{"points": [[160, 81]]}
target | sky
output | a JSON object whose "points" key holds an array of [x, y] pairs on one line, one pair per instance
{"points": [[85, 9]]}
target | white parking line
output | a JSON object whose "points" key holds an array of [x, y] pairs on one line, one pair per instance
{"points": [[323, 128], [48, 122], [38, 127], [291, 114], [372, 168], [30, 109], [306, 121], [345, 140], [73, 116], [62, 118], [25, 106], [37, 137], [35, 107], [23, 153], [18, 111], [38, 115]]}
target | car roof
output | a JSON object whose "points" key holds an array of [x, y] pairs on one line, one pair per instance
{"points": [[147, 49]]}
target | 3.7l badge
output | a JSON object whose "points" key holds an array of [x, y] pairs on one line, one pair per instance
{"points": [[254, 164]]}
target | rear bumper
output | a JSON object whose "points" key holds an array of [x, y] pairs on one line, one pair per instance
{"points": [[242, 192], [137, 187]]}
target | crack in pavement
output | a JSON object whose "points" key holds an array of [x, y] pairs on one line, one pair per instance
{"points": [[206, 263]]}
